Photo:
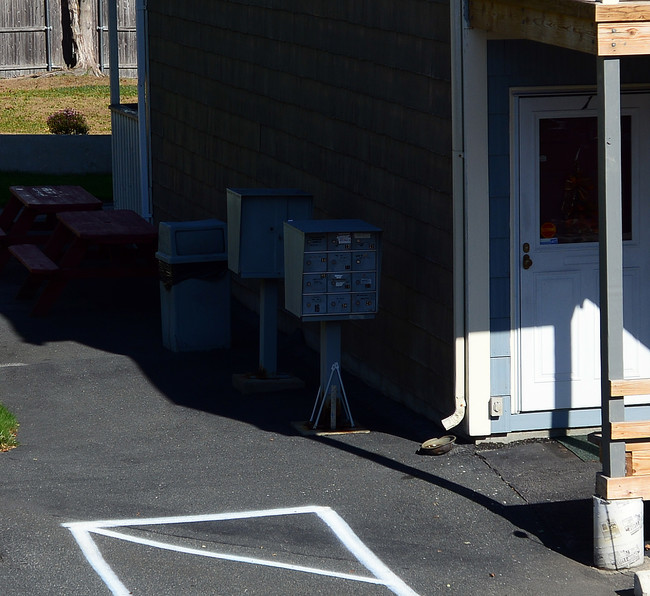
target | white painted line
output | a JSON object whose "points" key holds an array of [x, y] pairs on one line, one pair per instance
{"points": [[12, 364], [188, 519], [364, 555], [97, 562], [239, 559], [382, 575]]}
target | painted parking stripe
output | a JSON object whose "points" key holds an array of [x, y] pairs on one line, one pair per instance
{"points": [[381, 575]]}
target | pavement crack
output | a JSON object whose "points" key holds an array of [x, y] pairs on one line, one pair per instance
{"points": [[494, 470]]}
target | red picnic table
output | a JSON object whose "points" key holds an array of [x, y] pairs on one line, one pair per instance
{"points": [[87, 244], [26, 203], [20, 220]]}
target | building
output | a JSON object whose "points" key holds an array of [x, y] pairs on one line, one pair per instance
{"points": [[468, 132]]}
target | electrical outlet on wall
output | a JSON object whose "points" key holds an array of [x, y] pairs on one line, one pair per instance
{"points": [[496, 407]]}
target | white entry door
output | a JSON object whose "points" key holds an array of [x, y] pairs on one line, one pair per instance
{"points": [[556, 257]]}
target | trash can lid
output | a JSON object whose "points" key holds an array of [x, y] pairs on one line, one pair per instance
{"points": [[192, 241]]}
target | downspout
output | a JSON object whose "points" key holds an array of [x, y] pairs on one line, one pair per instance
{"points": [[143, 107], [458, 185]]}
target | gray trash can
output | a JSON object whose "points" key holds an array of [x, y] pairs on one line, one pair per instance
{"points": [[194, 285]]}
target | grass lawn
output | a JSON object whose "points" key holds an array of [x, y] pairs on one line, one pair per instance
{"points": [[99, 185], [8, 429], [26, 102]]}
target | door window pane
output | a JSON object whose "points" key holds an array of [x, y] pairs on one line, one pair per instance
{"points": [[568, 191]]}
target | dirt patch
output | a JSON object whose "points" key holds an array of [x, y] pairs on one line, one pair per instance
{"points": [[26, 102]]}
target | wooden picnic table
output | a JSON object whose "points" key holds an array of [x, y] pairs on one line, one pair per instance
{"points": [[29, 215], [87, 244], [27, 203]]}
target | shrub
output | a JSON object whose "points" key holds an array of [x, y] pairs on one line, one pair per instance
{"points": [[67, 122]]}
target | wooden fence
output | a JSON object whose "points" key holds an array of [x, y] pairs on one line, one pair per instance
{"points": [[35, 37]]}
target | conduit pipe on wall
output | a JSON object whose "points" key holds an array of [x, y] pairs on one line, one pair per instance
{"points": [[458, 182]]}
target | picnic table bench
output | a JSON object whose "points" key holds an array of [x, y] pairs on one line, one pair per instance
{"points": [[87, 244]]}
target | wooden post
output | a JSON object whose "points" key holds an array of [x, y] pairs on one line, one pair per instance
{"points": [[113, 56], [611, 259]]}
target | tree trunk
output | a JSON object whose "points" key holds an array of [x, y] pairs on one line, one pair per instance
{"points": [[84, 37]]}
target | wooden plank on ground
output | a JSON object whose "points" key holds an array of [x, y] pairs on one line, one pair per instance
{"points": [[596, 439], [628, 487]]}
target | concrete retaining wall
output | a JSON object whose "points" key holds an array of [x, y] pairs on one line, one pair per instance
{"points": [[56, 154]]}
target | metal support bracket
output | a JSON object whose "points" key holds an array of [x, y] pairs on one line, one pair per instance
{"points": [[330, 392]]}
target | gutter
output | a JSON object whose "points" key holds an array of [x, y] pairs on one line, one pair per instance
{"points": [[458, 185], [142, 44]]}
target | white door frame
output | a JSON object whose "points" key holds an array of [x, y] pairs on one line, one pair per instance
{"points": [[516, 96]]}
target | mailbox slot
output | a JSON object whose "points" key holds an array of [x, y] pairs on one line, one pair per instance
{"points": [[314, 283]]}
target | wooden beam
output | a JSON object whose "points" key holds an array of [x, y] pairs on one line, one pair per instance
{"points": [[620, 29], [568, 25], [628, 387], [637, 463], [636, 446], [623, 431], [623, 39], [622, 11], [626, 487]]}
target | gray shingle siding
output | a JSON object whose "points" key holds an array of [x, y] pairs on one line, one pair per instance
{"points": [[350, 101]]}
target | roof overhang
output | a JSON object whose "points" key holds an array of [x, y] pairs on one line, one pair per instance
{"points": [[619, 29]]}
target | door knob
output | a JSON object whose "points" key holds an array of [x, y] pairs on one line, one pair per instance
{"points": [[527, 262]]}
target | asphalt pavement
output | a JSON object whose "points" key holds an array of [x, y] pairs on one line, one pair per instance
{"points": [[143, 471]]}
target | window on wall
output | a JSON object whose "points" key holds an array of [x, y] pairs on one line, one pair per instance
{"points": [[568, 194]]}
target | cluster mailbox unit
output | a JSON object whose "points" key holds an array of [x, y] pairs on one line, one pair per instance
{"points": [[256, 251], [332, 269], [255, 218]]}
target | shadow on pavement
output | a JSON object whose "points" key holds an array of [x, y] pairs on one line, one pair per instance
{"points": [[124, 318], [565, 527]]}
